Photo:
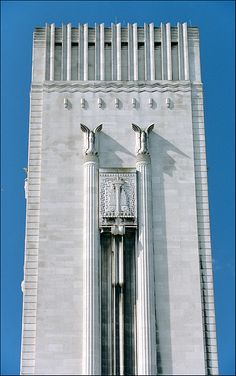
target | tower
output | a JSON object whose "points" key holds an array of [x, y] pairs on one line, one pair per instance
{"points": [[118, 273]]}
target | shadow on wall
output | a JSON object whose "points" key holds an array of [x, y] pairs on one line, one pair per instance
{"points": [[109, 150], [162, 164]]}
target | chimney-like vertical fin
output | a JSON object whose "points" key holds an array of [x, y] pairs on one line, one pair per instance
{"points": [[163, 52], [130, 54], [113, 49], [152, 57], [186, 58], [81, 54], [135, 50], [52, 51], [97, 52], [85, 52], [68, 75], [118, 49], [168, 50], [180, 52], [47, 53], [102, 61], [147, 51], [64, 50]]}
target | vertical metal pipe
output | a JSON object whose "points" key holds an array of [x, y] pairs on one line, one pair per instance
{"points": [[68, 52], [52, 51], [186, 57], [168, 50], [152, 58], [135, 48], [85, 52]]}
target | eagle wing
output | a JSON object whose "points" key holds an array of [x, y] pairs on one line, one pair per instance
{"points": [[136, 128], [149, 128], [84, 128], [98, 128]]}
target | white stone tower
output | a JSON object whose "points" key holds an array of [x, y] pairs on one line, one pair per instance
{"points": [[118, 271]]}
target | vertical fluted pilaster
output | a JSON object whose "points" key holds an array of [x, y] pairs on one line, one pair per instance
{"points": [[146, 345], [91, 306]]}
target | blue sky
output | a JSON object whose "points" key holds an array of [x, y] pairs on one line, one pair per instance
{"points": [[215, 20]]}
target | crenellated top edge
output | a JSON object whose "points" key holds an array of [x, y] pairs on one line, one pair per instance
{"points": [[116, 53], [120, 24]]}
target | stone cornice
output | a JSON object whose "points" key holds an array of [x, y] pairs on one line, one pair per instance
{"points": [[111, 86]]}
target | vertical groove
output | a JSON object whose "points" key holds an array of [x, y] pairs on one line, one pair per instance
{"points": [[180, 52], [85, 52], [163, 51], [130, 54], [63, 65], [147, 52], [68, 76], [47, 53], [186, 58], [52, 51], [168, 50], [113, 47], [135, 48], [102, 62], [152, 59], [118, 49]]}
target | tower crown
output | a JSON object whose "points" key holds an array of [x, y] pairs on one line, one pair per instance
{"points": [[116, 53]]}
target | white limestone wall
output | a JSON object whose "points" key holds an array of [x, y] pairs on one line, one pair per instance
{"points": [[177, 280]]}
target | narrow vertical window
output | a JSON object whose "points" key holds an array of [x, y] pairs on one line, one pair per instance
{"points": [[157, 56], [57, 61], [175, 64], [91, 61], [107, 61], [74, 61], [124, 61], [141, 61]]}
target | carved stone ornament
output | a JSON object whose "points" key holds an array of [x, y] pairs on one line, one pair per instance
{"points": [[90, 147], [142, 138], [117, 199]]}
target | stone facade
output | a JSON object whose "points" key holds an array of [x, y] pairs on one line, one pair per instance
{"points": [[115, 77]]}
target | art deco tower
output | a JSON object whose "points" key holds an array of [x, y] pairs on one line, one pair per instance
{"points": [[118, 271]]}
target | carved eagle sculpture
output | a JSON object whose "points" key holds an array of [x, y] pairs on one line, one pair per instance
{"points": [[90, 147], [142, 137]]}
